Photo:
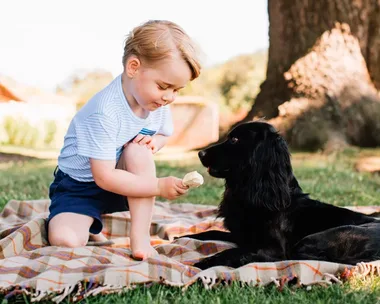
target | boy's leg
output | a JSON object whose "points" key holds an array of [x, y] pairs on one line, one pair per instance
{"points": [[139, 160], [69, 229]]}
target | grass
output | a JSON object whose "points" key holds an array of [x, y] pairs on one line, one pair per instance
{"points": [[328, 178]]}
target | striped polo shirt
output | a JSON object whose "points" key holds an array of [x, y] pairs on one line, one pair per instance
{"points": [[101, 128]]}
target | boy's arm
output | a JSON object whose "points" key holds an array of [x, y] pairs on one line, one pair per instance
{"points": [[122, 182], [128, 184], [161, 141]]}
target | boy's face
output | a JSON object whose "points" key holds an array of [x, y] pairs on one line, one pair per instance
{"points": [[155, 86]]}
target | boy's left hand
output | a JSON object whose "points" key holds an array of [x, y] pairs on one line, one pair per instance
{"points": [[147, 140]]}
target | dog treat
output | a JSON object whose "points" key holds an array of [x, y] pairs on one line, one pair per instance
{"points": [[193, 179]]}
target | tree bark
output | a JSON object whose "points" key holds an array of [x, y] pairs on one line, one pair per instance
{"points": [[323, 72]]}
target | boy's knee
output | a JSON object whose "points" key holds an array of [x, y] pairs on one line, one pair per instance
{"points": [[133, 150], [137, 159], [66, 237]]}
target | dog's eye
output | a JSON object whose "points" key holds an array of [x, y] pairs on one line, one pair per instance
{"points": [[234, 140]]}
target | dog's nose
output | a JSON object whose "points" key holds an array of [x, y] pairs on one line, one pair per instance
{"points": [[201, 153]]}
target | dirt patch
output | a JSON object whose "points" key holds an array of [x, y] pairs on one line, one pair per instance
{"points": [[8, 157], [368, 164]]}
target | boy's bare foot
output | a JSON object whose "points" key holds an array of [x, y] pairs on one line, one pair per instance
{"points": [[141, 248]]}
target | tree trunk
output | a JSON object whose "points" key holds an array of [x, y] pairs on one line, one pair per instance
{"points": [[323, 72]]}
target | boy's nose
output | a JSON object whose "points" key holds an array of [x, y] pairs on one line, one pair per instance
{"points": [[169, 97]]}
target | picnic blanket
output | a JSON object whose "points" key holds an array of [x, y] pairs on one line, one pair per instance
{"points": [[29, 266]]}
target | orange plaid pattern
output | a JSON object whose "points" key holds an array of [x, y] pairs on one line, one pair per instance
{"points": [[28, 265]]}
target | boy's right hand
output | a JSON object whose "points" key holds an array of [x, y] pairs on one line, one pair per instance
{"points": [[171, 187]]}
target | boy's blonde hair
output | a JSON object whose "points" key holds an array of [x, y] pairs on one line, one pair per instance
{"points": [[158, 39]]}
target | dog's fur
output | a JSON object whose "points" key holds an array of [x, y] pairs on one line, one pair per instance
{"points": [[268, 215]]}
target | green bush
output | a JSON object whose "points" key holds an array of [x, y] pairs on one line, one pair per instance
{"points": [[51, 130], [234, 84], [19, 132]]}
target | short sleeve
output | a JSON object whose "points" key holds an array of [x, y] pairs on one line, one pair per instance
{"points": [[166, 127], [96, 137]]}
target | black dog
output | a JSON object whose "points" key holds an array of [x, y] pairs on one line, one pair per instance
{"points": [[268, 215]]}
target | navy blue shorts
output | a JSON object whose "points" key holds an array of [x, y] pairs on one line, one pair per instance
{"points": [[87, 198]]}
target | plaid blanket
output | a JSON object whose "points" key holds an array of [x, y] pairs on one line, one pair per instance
{"points": [[29, 266]]}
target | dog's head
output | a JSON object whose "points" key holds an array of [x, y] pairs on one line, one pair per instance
{"points": [[255, 162]]}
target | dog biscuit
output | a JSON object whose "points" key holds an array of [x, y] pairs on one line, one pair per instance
{"points": [[193, 179]]}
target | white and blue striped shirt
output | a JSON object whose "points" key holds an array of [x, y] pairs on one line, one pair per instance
{"points": [[101, 128]]}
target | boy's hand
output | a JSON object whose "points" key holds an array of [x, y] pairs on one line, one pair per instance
{"points": [[147, 140], [171, 187]]}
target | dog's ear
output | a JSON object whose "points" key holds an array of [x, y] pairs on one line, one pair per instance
{"points": [[271, 173]]}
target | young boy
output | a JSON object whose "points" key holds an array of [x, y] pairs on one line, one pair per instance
{"points": [[109, 146]]}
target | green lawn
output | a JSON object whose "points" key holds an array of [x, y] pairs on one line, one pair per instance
{"points": [[328, 178]]}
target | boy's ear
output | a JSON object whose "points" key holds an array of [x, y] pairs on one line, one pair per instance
{"points": [[132, 66]]}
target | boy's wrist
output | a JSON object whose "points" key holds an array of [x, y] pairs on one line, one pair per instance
{"points": [[159, 185], [160, 140]]}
